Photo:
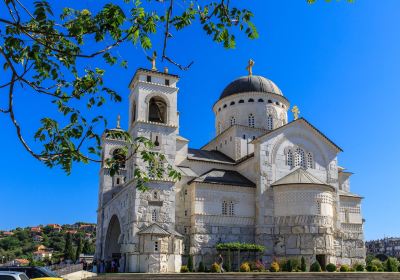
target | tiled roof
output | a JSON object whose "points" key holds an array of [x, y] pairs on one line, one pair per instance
{"points": [[298, 176], [215, 156], [224, 177], [154, 229]]}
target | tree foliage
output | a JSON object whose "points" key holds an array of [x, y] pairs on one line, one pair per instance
{"points": [[46, 52], [235, 246]]}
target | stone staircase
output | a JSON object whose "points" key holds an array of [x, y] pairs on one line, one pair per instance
{"points": [[255, 276]]}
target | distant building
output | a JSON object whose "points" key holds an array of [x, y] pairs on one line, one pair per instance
{"points": [[37, 238], [71, 231], [7, 233], [42, 253], [87, 227], [36, 229], [19, 262], [55, 227], [388, 246]]}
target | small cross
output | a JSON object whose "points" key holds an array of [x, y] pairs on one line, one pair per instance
{"points": [[118, 121], [296, 112], [250, 67]]}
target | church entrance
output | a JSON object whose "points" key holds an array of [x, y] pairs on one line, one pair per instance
{"points": [[112, 251], [322, 261]]}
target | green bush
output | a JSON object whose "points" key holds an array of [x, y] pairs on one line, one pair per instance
{"points": [[215, 268], [245, 267], [391, 265], [378, 264], [290, 265], [303, 266], [190, 263], [201, 267], [344, 268], [371, 268], [274, 267], [184, 269], [234, 246], [315, 267], [330, 267], [359, 267]]}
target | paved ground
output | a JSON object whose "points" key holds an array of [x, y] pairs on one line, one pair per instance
{"points": [[255, 276], [78, 275]]}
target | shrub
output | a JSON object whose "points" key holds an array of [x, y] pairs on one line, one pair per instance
{"points": [[331, 267], [215, 268], [391, 265], [315, 267], [184, 269], [378, 264], [290, 265], [274, 267], [344, 268], [201, 267], [358, 267], [190, 263], [245, 267], [371, 268], [259, 266], [303, 266]]}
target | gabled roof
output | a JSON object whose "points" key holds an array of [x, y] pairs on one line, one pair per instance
{"points": [[154, 229], [224, 177], [298, 176], [306, 123], [204, 155]]}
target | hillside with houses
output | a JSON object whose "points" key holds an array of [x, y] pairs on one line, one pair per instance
{"points": [[47, 244]]}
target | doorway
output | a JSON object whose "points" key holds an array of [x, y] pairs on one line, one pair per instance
{"points": [[322, 261]]}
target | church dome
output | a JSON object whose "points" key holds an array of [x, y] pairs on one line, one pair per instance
{"points": [[250, 84]]}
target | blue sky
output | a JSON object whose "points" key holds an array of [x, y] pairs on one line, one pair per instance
{"points": [[338, 62]]}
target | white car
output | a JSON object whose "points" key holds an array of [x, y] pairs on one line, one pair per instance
{"points": [[13, 275]]}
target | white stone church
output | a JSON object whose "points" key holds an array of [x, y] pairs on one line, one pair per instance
{"points": [[261, 180]]}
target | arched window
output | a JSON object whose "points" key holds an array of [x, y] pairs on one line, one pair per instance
{"points": [[244, 137], [233, 121], [119, 156], [270, 101], [154, 215], [251, 100], [260, 100], [310, 160], [157, 110], [224, 208], [289, 158], [133, 112], [300, 158], [270, 122], [251, 120], [231, 209], [241, 101], [155, 195], [224, 106], [232, 103]]}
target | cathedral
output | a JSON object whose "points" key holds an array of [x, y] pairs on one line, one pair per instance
{"points": [[262, 180]]}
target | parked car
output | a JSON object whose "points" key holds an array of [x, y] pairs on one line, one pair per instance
{"points": [[33, 272], [13, 275]]}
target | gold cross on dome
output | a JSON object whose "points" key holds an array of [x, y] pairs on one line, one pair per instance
{"points": [[119, 121], [296, 112], [250, 67]]}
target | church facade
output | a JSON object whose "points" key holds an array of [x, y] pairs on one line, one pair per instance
{"points": [[262, 179]]}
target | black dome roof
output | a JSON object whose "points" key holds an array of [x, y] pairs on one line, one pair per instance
{"points": [[249, 84]]}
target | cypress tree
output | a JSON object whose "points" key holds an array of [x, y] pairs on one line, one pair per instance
{"points": [[303, 266], [190, 263], [78, 249], [68, 250]]}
